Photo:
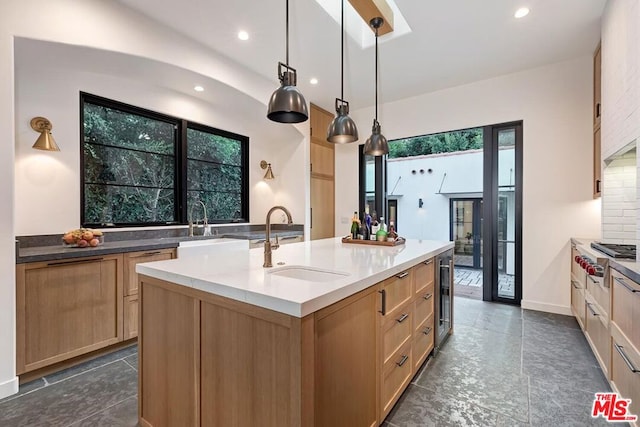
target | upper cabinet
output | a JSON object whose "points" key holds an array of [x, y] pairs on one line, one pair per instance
{"points": [[597, 107], [322, 175]]}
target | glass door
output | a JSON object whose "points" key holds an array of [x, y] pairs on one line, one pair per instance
{"points": [[503, 181], [466, 232]]}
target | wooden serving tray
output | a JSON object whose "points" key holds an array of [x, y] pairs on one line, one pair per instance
{"points": [[398, 241]]}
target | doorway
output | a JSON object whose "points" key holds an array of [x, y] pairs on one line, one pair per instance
{"points": [[466, 232], [503, 197]]}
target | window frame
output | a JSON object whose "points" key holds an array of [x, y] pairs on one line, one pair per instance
{"points": [[180, 163]]}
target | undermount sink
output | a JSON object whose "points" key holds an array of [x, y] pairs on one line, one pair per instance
{"points": [[309, 274]]}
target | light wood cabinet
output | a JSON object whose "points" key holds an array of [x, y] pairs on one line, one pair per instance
{"points": [[625, 306], [625, 369], [578, 306], [67, 308], [131, 259], [130, 319], [322, 166], [224, 362], [596, 329]]}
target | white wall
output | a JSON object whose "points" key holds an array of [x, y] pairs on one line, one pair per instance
{"points": [[110, 26], [554, 103], [52, 180]]}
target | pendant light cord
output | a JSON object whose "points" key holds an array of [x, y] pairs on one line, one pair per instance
{"points": [[341, 53], [287, 44], [376, 73]]}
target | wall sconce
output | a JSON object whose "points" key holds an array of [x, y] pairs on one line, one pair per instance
{"points": [[267, 166], [45, 141], [420, 203]]}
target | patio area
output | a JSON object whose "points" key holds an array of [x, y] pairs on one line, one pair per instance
{"points": [[468, 283]]}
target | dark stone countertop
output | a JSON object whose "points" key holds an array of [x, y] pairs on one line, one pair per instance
{"points": [[61, 252]]}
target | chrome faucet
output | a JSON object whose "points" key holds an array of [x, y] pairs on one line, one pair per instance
{"points": [[206, 231], [268, 247]]}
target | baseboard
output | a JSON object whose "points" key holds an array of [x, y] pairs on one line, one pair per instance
{"points": [[549, 308], [9, 387]]}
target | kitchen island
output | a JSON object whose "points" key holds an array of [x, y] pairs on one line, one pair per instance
{"points": [[331, 335]]}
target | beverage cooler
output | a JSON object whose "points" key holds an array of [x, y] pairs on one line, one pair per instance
{"points": [[444, 297]]}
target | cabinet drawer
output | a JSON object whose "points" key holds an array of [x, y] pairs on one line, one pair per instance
{"points": [[423, 276], [130, 317], [397, 332], [423, 307], [599, 293], [596, 329], [625, 306], [396, 292], [396, 374], [133, 258], [422, 343], [625, 369], [577, 302]]}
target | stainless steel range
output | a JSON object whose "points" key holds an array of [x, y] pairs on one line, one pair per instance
{"points": [[615, 250]]}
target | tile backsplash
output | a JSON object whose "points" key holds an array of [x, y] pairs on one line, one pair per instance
{"points": [[619, 203]]}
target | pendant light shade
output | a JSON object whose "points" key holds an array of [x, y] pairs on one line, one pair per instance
{"points": [[287, 105], [342, 129], [376, 144]]}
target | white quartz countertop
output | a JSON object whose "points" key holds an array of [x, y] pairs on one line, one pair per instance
{"points": [[239, 275]]}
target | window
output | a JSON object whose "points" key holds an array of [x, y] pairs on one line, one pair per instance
{"points": [[144, 168]]}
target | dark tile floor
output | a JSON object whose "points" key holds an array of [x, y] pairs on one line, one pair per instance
{"points": [[505, 367], [502, 367]]}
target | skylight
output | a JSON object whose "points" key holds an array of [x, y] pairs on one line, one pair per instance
{"points": [[359, 30]]}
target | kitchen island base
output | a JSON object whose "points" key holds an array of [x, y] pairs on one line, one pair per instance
{"points": [[211, 361]]}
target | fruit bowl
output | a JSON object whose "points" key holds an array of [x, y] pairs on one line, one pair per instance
{"points": [[83, 238]]}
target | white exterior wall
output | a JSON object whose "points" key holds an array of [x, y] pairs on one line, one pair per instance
{"points": [[110, 26], [554, 103]]}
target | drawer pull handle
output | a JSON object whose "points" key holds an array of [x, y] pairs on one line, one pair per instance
{"points": [[625, 359], [402, 275], [152, 253], [592, 310], [575, 284], [384, 302], [626, 285], [592, 279], [288, 237], [428, 262], [82, 261], [402, 318], [427, 330], [403, 360], [428, 296]]}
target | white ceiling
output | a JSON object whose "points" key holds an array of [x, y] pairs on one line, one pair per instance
{"points": [[452, 42]]}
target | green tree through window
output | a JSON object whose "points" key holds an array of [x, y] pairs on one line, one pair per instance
{"points": [[447, 142], [132, 174]]}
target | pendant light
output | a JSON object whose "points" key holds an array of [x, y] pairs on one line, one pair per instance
{"points": [[287, 105], [342, 129], [376, 144]]}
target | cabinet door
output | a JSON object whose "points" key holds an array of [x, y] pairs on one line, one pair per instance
{"points": [[625, 306], [423, 276], [130, 317], [597, 331], [396, 292], [577, 302], [133, 258], [67, 308], [597, 87], [625, 369], [346, 342], [322, 208]]}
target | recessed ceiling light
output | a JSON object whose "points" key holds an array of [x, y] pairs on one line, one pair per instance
{"points": [[243, 35], [522, 12], [313, 81], [198, 88]]}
